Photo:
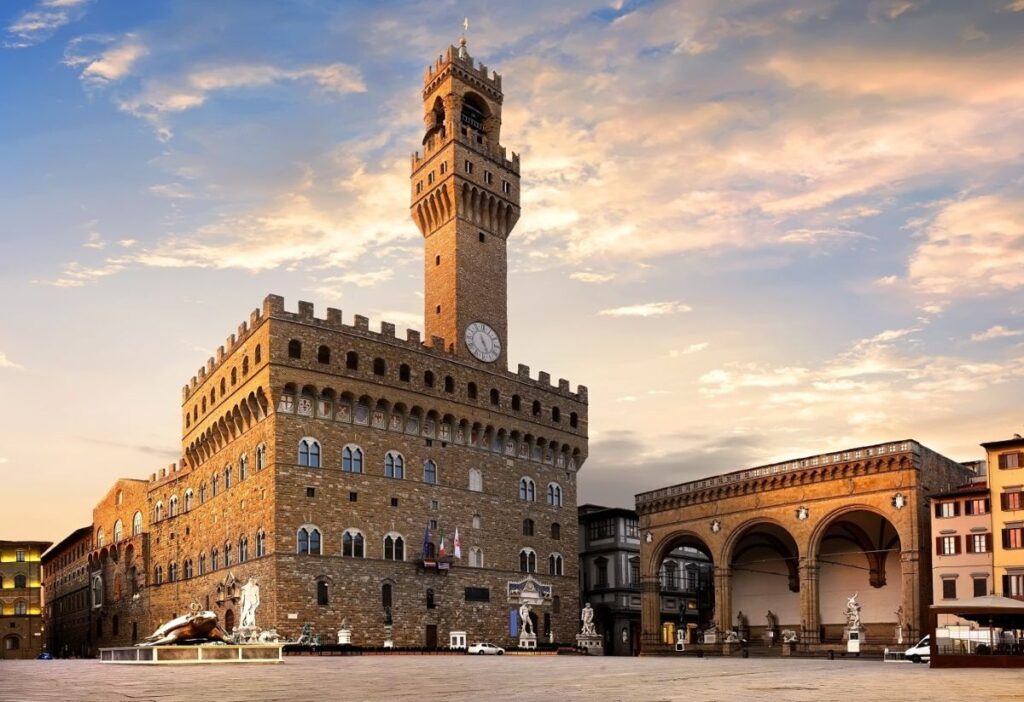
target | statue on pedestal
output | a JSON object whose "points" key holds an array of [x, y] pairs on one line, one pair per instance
{"points": [[852, 613], [524, 617], [194, 628], [250, 602], [587, 617], [900, 623]]}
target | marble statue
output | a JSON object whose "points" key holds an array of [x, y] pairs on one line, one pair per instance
{"points": [[345, 632], [587, 617], [773, 620], [732, 637], [900, 623], [852, 612], [268, 636], [193, 628], [789, 636], [524, 616], [741, 620], [250, 602]]}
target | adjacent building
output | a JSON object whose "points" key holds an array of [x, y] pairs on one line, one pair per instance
{"points": [[961, 528], [21, 621], [610, 581], [1006, 482], [66, 595], [411, 486]]}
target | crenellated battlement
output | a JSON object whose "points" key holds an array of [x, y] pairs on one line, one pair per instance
{"points": [[245, 330], [274, 308], [458, 58], [437, 142]]}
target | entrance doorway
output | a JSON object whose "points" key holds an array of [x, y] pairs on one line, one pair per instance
{"points": [[431, 636]]}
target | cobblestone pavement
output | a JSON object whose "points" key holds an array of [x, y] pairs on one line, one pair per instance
{"points": [[548, 678]]}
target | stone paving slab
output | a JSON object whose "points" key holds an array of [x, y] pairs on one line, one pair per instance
{"points": [[547, 678]]}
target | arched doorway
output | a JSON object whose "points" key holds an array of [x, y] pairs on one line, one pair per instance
{"points": [[686, 590], [764, 562], [858, 553], [229, 621]]}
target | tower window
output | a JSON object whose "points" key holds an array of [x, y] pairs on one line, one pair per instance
{"points": [[516, 403], [379, 367], [536, 408], [430, 178], [428, 378], [471, 391], [469, 166], [483, 238], [419, 187], [444, 167], [294, 349], [352, 360], [506, 187], [495, 397], [438, 309], [449, 384], [437, 260], [404, 372], [488, 177], [323, 355]]}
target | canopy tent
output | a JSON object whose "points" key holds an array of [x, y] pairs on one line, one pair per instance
{"points": [[991, 611]]}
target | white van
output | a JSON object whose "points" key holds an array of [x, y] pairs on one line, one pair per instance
{"points": [[921, 652]]}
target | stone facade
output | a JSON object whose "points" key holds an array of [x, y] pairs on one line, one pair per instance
{"points": [[66, 596], [1006, 483], [21, 621], [305, 429], [797, 538]]}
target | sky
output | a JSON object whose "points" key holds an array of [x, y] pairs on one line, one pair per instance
{"points": [[756, 230]]}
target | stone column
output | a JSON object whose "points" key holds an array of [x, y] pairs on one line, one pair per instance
{"points": [[810, 611], [913, 612], [723, 598], [650, 613]]}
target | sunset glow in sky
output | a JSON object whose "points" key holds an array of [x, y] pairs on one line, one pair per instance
{"points": [[756, 230]]}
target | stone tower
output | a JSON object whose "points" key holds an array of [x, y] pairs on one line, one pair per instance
{"points": [[465, 201]]}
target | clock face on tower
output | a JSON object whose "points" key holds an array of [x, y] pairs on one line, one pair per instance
{"points": [[483, 342]]}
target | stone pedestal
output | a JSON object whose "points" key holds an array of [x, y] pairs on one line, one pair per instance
{"points": [[593, 644], [528, 641], [344, 636], [854, 639], [730, 647], [711, 636]]}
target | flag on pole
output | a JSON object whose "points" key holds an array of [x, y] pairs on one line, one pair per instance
{"points": [[440, 548], [457, 545], [426, 542]]}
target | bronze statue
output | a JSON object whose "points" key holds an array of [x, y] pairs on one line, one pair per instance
{"points": [[193, 628]]}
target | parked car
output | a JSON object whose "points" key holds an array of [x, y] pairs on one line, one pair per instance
{"points": [[481, 649], [921, 652], [44, 656]]}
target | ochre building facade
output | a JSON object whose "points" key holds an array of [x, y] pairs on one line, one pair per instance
{"points": [[327, 459], [21, 622], [797, 539], [66, 595]]}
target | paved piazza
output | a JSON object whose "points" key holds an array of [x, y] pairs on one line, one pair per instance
{"points": [[550, 678]]}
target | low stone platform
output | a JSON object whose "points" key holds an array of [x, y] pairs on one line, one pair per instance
{"points": [[203, 654]]}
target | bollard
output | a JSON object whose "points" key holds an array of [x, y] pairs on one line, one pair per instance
{"points": [[831, 655]]}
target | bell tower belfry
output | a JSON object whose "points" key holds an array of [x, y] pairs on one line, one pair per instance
{"points": [[465, 201]]}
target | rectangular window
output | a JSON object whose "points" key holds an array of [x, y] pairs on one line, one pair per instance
{"points": [[633, 528], [1011, 501], [601, 566], [980, 587], [321, 593], [1013, 538], [1013, 585], [980, 543], [19, 556], [419, 187], [946, 509], [353, 496], [488, 177], [979, 505], [949, 589], [394, 501], [469, 166], [601, 528], [311, 492], [478, 594], [433, 524], [1011, 460], [505, 187], [947, 545]]}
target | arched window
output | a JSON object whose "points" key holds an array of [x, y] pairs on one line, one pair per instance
{"points": [[214, 559], [554, 564], [20, 580], [137, 524], [379, 366], [202, 493], [476, 558], [449, 384], [12, 642], [556, 414], [243, 466], [189, 497], [172, 506], [556, 531], [309, 540], [517, 403], [353, 544], [476, 480], [574, 420], [118, 531], [476, 521], [158, 575], [158, 511], [101, 538], [213, 396], [204, 405], [471, 391], [227, 477], [385, 596], [243, 549], [227, 554], [352, 459], [234, 377], [323, 597], [554, 494], [527, 561], [495, 396], [245, 365], [294, 349], [430, 472], [223, 387], [214, 482], [352, 360], [202, 564], [536, 408], [404, 373], [394, 465], [261, 457], [527, 490], [527, 527], [261, 543], [323, 355], [309, 453], [172, 572], [394, 548], [188, 568], [428, 378], [258, 354]]}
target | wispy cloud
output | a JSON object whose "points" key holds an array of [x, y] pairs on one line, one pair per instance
{"points": [[42, 21], [692, 348], [591, 277], [996, 332], [647, 309], [104, 59], [95, 241], [8, 363]]}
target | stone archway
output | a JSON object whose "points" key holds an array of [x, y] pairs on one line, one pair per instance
{"points": [[678, 589], [764, 565]]}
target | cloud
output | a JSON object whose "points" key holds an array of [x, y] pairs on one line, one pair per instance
{"points": [[647, 309], [173, 191], [41, 22], [104, 59], [591, 277], [724, 381], [972, 246], [75, 275], [692, 348], [1015, 6], [8, 363], [996, 332], [95, 241]]}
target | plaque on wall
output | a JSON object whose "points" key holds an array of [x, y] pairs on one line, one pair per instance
{"points": [[324, 409], [510, 447], [287, 404], [344, 413], [537, 454], [561, 460], [549, 456], [305, 407], [362, 414], [378, 419], [396, 422], [446, 432], [460, 436], [524, 450], [428, 428], [412, 425]]}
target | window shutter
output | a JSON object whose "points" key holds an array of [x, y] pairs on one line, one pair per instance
{"points": [[969, 507], [938, 545], [956, 508], [938, 509], [1004, 500], [969, 543], [956, 545], [988, 504], [1006, 585], [1006, 538], [988, 542]]}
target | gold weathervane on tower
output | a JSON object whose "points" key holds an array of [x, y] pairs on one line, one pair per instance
{"points": [[462, 39]]}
